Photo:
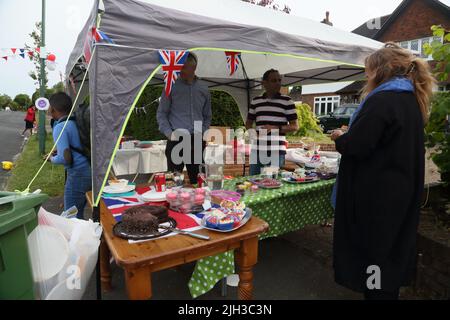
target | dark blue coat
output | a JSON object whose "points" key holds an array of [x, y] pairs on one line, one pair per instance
{"points": [[381, 180]]}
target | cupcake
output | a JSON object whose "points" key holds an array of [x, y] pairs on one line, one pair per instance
{"points": [[199, 199]]}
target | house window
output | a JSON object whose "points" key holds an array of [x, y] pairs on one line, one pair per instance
{"points": [[423, 55], [325, 105], [416, 46], [404, 45], [439, 39]]}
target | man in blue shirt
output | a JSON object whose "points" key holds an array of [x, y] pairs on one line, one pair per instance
{"points": [[185, 113], [69, 153]]}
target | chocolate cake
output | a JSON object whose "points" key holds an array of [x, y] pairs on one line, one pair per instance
{"points": [[158, 211], [141, 220]]}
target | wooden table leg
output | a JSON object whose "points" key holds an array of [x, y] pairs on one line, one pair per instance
{"points": [[247, 256], [138, 282], [105, 267]]}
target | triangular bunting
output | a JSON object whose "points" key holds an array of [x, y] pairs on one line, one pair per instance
{"points": [[30, 54], [172, 62], [233, 59], [6, 58], [22, 55], [13, 50]]}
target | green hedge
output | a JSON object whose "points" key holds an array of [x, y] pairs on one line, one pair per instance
{"points": [[225, 111], [438, 135], [143, 125]]}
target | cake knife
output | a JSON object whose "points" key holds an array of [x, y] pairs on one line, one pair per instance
{"points": [[192, 234]]}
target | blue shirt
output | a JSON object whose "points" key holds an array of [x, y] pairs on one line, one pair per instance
{"points": [[70, 137], [186, 103]]}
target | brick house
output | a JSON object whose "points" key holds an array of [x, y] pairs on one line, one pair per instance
{"points": [[322, 98], [409, 25]]}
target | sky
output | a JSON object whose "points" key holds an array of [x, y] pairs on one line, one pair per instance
{"points": [[65, 18]]}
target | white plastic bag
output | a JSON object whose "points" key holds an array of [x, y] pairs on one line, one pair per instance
{"points": [[63, 255]]}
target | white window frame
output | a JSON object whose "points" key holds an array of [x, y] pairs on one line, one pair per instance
{"points": [[421, 42], [319, 101]]}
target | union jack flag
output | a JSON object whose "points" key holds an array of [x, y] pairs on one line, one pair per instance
{"points": [[233, 59], [94, 36], [172, 62]]}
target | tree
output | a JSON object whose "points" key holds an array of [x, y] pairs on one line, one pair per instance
{"points": [[36, 74], [15, 107], [440, 52], [23, 100], [438, 127], [269, 3], [5, 101], [307, 122], [37, 94], [59, 87]]}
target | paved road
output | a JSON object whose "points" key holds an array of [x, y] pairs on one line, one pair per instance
{"points": [[11, 126]]}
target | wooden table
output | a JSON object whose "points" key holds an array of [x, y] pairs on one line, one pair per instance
{"points": [[141, 259]]}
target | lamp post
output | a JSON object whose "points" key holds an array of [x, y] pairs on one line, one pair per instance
{"points": [[41, 129]]}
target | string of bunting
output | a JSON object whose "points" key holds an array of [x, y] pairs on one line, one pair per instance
{"points": [[6, 53], [172, 62], [139, 110], [144, 109]]}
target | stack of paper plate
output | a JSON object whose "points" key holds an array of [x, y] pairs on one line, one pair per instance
{"points": [[153, 196], [110, 189]]}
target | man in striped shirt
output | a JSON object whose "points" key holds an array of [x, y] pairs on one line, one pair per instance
{"points": [[274, 115]]}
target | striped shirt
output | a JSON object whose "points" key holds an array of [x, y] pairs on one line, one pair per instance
{"points": [[277, 111]]}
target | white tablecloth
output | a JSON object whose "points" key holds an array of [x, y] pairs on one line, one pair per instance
{"points": [[140, 160], [151, 160]]}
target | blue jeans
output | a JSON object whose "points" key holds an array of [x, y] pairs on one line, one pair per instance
{"points": [[78, 182], [255, 169]]}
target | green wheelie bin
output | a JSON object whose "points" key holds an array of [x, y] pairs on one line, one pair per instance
{"points": [[18, 217]]}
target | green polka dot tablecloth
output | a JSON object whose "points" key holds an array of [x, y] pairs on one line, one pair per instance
{"points": [[286, 209]]}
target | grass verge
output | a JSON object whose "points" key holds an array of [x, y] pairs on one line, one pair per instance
{"points": [[50, 179]]}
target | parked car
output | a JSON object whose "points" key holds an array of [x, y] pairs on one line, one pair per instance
{"points": [[340, 117]]}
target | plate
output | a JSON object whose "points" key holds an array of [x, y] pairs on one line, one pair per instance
{"points": [[226, 195], [153, 196], [255, 181], [128, 188], [248, 215], [327, 176], [300, 182], [144, 144], [49, 251], [119, 231]]}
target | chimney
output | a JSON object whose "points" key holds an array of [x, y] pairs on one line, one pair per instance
{"points": [[327, 19]]}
